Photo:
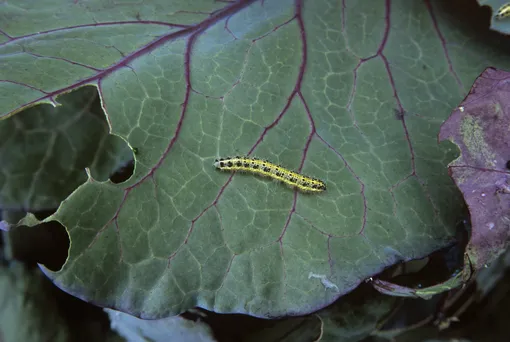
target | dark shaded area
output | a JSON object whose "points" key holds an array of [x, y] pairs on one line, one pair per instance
{"points": [[461, 313], [87, 322], [43, 214], [489, 315], [228, 327], [439, 267], [235, 327], [46, 243], [124, 173]]}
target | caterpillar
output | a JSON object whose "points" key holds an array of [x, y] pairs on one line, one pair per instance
{"points": [[503, 12], [274, 171]]}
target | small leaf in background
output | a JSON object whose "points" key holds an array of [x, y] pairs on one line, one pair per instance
{"points": [[355, 319], [392, 289], [32, 309], [44, 151], [479, 127], [28, 312]]}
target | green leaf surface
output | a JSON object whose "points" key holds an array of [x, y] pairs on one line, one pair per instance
{"points": [[45, 149], [349, 92]]}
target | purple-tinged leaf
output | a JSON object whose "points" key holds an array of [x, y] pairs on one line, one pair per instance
{"points": [[480, 128]]}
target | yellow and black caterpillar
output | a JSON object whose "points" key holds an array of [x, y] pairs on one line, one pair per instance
{"points": [[274, 171], [503, 12]]}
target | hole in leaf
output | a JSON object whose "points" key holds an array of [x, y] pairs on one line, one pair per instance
{"points": [[46, 243], [43, 214], [123, 173]]}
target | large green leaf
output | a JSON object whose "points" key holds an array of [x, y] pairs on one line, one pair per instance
{"points": [[349, 92]]}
